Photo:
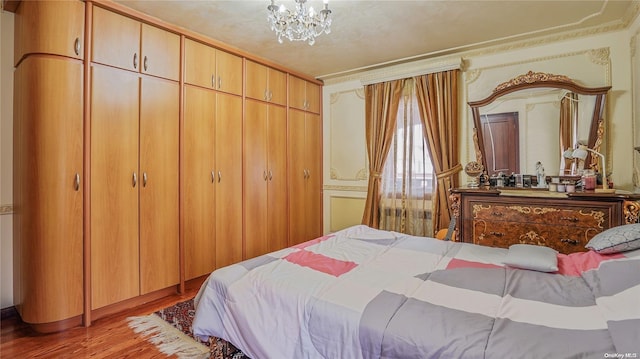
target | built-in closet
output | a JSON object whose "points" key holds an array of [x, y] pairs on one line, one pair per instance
{"points": [[147, 156]]}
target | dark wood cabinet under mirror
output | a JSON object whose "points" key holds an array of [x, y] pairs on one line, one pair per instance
{"points": [[538, 117], [563, 221]]}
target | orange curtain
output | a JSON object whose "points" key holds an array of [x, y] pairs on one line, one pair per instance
{"points": [[381, 110], [438, 102]]}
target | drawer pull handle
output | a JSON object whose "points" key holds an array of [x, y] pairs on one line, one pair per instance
{"points": [[573, 242], [497, 234], [569, 219]]}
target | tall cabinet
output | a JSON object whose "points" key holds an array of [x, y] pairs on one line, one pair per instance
{"points": [[134, 159], [212, 158], [48, 164], [265, 183], [305, 161]]}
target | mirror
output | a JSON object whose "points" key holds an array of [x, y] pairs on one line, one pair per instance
{"points": [[534, 118]]}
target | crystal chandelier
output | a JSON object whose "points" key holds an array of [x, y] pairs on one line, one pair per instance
{"points": [[300, 24]]}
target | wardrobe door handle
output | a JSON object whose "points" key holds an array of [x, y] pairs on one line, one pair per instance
{"points": [[213, 177], [77, 182], [135, 61], [264, 175], [213, 81], [144, 63], [134, 180], [144, 179], [266, 97], [219, 82], [270, 95], [76, 46], [219, 176], [305, 174], [270, 175]]}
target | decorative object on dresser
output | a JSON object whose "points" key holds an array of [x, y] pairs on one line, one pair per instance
{"points": [[473, 169], [563, 221]]}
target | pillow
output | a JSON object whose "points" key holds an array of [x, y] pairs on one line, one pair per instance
{"points": [[528, 256], [617, 239]]}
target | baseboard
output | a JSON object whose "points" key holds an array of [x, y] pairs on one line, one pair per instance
{"points": [[9, 312]]}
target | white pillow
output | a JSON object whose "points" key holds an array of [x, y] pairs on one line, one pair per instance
{"points": [[528, 256], [617, 239]]}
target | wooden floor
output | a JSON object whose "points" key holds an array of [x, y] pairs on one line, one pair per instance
{"points": [[108, 337]]}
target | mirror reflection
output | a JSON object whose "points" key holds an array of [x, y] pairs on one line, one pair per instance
{"points": [[535, 118]]}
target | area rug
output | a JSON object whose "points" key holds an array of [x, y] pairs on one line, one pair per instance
{"points": [[169, 329]]}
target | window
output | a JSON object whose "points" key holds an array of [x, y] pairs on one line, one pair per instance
{"points": [[407, 178]]}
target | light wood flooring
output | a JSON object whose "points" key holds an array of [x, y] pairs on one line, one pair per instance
{"points": [[107, 337]]}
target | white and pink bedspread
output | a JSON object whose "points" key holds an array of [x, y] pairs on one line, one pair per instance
{"points": [[365, 293]]}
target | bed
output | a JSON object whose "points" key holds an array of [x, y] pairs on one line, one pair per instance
{"points": [[366, 293]]}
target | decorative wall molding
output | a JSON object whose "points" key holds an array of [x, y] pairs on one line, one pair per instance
{"points": [[345, 188], [600, 56], [6, 209], [404, 68], [432, 59], [347, 158], [361, 175]]}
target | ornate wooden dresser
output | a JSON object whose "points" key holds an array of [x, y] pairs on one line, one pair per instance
{"points": [[565, 222]]}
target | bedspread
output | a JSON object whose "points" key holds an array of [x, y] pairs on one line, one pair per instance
{"points": [[365, 293]]}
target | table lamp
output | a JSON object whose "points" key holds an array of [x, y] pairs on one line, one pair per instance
{"points": [[581, 153]]}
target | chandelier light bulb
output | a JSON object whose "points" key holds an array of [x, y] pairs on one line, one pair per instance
{"points": [[300, 25]]}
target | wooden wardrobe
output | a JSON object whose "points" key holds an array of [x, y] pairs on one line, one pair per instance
{"points": [[145, 157]]}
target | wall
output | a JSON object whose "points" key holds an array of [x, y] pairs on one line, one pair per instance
{"points": [[6, 154], [594, 59], [635, 72]]}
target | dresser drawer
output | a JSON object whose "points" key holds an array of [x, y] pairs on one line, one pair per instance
{"points": [[564, 238], [542, 214]]}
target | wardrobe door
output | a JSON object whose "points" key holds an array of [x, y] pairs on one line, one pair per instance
{"points": [[48, 190], [257, 81], [160, 53], [159, 248], [228, 186], [313, 187], [277, 87], [229, 72], [305, 162], [255, 179], [198, 180], [49, 27], [113, 31], [199, 67], [278, 189], [114, 186]]}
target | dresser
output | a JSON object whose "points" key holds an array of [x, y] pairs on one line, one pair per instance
{"points": [[565, 222]]}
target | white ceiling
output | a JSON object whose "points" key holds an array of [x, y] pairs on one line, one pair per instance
{"points": [[367, 34]]}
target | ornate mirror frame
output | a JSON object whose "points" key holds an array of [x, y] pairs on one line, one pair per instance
{"points": [[532, 80]]}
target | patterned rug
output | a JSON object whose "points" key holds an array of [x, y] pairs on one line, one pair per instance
{"points": [[169, 329]]}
